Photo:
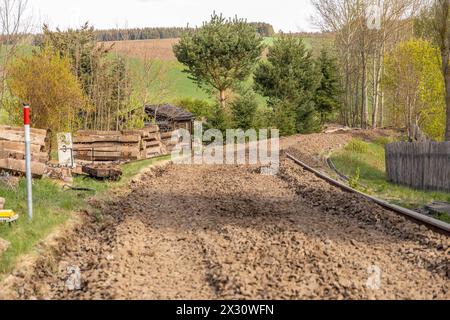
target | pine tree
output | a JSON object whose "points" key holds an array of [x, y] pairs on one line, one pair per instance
{"points": [[220, 54]]}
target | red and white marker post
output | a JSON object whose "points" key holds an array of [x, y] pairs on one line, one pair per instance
{"points": [[26, 122]]}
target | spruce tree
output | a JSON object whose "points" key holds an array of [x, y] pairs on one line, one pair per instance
{"points": [[289, 79], [329, 91]]}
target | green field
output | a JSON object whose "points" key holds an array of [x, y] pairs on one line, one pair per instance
{"points": [[166, 83], [364, 163], [173, 84]]}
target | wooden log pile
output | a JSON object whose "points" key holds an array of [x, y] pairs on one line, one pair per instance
{"points": [[167, 141], [151, 145], [118, 146], [12, 150]]}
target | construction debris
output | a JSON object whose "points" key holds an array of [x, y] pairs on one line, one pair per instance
{"points": [[118, 146], [55, 171], [6, 214], [438, 207], [103, 171], [12, 150]]}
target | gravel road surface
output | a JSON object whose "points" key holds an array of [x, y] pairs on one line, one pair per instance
{"points": [[228, 232]]}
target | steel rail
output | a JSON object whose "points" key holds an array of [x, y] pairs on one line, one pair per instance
{"points": [[392, 207]]}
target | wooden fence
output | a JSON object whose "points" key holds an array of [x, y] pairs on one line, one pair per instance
{"points": [[423, 166]]}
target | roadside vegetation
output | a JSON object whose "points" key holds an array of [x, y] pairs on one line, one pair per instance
{"points": [[364, 163], [53, 207]]}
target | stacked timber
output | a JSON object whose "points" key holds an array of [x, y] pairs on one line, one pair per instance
{"points": [[152, 145], [106, 146], [174, 139], [12, 150], [168, 142], [117, 146]]}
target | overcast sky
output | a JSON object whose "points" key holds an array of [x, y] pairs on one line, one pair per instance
{"points": [[286, 15]]}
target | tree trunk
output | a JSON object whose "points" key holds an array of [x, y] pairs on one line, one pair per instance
{"points": [[222, 99], [356, 110], [382, 109], [446, 71], [443, 29], [375, 92], [364, 110]]}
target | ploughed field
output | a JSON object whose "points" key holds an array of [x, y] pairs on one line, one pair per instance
{"points": [[228, 232]]}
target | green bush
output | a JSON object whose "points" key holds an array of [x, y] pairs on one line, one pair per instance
{"points": [[354, 181], [357, 146], [220, 119], [200, 108], [263, 118], [284, 119], [243, 109], [382, 141]]}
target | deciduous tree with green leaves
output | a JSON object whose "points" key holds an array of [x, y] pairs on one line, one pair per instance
{"points": [[45, 80], [220, 54], [415, 88]]}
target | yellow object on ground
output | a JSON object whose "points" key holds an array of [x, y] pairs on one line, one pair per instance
{"points": [[6, 214]]}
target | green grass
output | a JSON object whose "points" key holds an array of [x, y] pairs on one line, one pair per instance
{"points": [[52, 208], [3, 117], [172, 83], [369, 159]]}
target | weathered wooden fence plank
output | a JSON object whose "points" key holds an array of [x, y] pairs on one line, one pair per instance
{"points": [[423, 165]]}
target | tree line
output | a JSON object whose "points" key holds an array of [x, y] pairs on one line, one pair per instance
{"points": [[224, 54], [394, 62], [262, 28]]}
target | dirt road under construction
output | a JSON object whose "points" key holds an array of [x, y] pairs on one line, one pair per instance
{"points": [[229, 232]]}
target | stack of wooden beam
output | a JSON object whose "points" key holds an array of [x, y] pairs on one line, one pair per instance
{"points": [[166, 139], [118, 146], [12, 150], [173, 139], [106, 146], [152, 145]]}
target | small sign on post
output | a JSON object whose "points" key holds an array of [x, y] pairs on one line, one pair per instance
{"points": [[26, 122], [65, 150]]}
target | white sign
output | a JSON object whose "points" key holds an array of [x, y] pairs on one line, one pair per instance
{"points": [[65, 152]]}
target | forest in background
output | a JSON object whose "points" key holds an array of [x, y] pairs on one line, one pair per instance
{"points": [[119, 34], [390, 76], [394, 68]]}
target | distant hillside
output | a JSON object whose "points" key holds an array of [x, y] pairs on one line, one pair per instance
{"points": [[264, 29]]}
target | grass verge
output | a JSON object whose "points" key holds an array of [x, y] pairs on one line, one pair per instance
{"points": [[364, 163], [52, 208]]}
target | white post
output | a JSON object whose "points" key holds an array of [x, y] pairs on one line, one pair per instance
{"points": [[26, 122]]}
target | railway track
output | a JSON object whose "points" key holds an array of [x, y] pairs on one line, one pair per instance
{"points": [[435, 224]]}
